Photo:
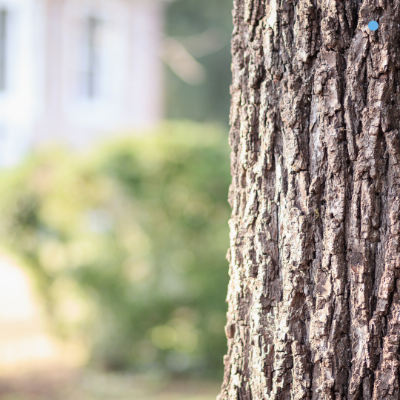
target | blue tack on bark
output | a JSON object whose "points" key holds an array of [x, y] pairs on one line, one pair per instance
{"points": [[373, 26]]}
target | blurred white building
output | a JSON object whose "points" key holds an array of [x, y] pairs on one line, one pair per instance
{"points": [[75, 70]]}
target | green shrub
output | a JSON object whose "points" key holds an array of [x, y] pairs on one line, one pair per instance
{"points": [[127, 245]]}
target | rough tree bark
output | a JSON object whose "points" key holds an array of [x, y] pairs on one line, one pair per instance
{"points": [[314, 295]]}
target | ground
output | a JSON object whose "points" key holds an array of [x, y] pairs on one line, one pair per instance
{"points": [[36, 366], [88, 385]]}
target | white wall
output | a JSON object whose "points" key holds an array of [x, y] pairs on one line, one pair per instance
{"points": [[44, 101], [131, 70], [20, 103], [146, 82]]}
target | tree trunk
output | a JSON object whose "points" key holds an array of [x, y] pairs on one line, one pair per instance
{"points": [[314, 295]]}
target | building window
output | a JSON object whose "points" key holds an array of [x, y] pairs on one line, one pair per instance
{"points": [[91, 78], [3, 48]]}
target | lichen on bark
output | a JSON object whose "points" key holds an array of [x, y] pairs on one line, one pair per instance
{"points": [[314, 294]]}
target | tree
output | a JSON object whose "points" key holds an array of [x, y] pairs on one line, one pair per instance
{"points": [[314, 293], [201, 26]]}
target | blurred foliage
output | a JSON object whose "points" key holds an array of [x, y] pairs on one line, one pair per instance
{"points": [[209, 101], [127, 245]]}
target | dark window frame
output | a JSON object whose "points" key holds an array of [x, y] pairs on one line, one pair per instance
{"points": [[92, 25], [4, 24]]}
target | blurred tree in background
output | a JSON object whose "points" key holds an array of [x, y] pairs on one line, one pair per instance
{"points": [[204, 29], [127, 245]]}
